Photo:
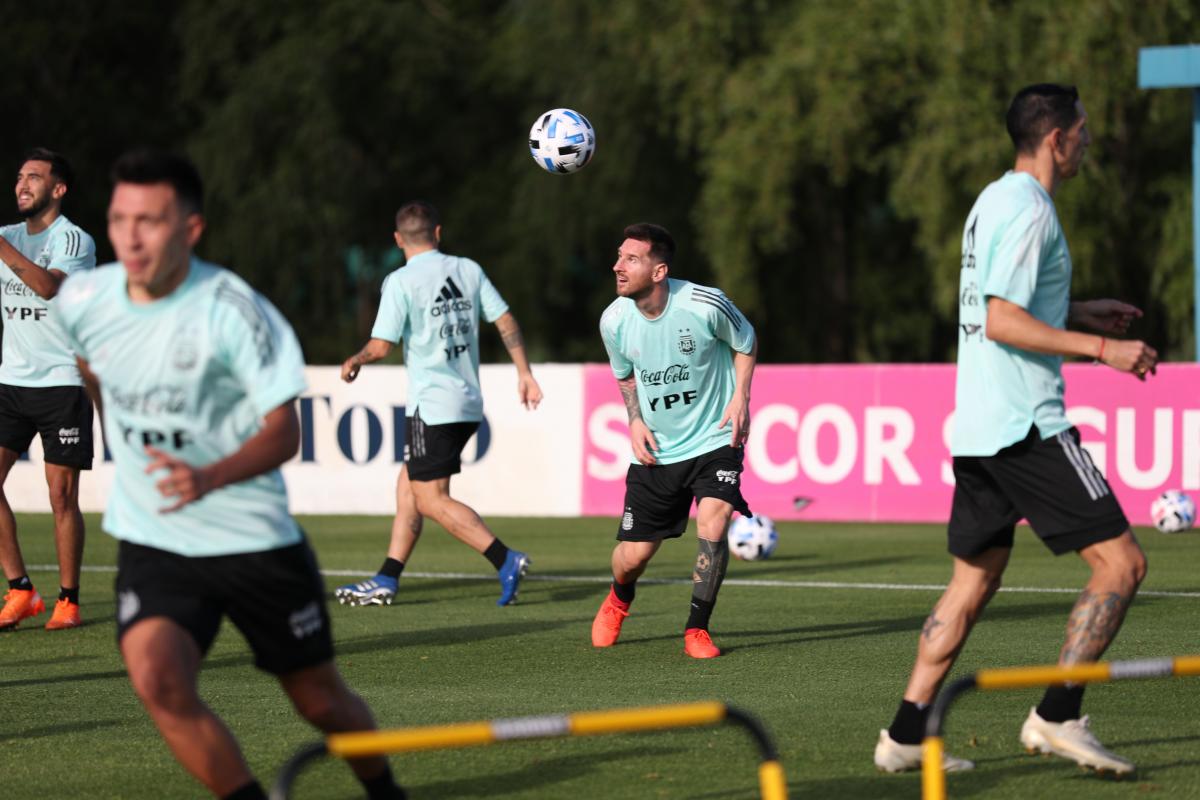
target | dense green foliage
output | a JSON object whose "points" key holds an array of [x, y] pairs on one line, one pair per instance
{"points": [[815, 159], [823, 667]]}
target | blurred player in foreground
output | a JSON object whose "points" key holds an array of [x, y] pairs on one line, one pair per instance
{"points": [[197, 376]]}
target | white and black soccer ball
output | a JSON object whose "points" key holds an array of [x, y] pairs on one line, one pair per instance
{"points": [[562, 141], [1173, 511], [753, 538]]}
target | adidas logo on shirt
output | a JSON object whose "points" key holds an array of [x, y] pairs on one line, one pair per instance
{"points": [[450, 298]]}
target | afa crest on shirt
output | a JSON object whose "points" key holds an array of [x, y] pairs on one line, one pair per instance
{"points": [[687, 344], [184, 352]]}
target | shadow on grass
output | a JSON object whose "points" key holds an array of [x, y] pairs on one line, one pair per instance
{"points": [[761, 569], [71, 728], [536, 774], [852, 630]]}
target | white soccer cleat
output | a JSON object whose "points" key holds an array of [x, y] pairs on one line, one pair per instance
{"points": [[1071, 739], [891, 756]]}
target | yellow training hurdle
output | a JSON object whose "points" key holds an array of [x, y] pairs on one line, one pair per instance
{"points": [[933, 779], [771, 781]]}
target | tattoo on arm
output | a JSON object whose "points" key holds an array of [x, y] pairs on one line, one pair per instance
{"points": [[930, 626], [628, 388], [512, 338], [1093, 624]]}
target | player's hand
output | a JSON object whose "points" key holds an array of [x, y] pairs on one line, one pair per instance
{"points": [[737, 413], [350, 368], [528, 391], [644, 445], [183, 482], [1105, 316], [1134, 357]]}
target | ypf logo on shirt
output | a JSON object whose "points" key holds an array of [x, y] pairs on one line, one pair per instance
{"points": [[729, 476], [627, 520], [68, 435]]}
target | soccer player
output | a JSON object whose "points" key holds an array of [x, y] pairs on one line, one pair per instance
{"points": [[40, 388], [1015, 453], [683, 356], [434, 303], [197, 375]]}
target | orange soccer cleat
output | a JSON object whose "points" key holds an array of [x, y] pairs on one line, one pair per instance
{"points": [[698, 644], [606, 627], [66, 615], [20, 604]]}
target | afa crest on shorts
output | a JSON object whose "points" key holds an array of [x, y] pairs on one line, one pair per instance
{"points": [[687, 344]]}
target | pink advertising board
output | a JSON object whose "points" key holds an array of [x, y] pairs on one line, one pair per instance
{"points": [[868, 442]]}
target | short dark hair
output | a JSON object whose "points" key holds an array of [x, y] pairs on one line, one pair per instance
{"points": [[60, 168], [145, 167], [417, 222], [662, 245], [1039, 109]]}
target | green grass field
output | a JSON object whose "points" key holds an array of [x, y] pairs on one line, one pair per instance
{"points": [[822, 666]]}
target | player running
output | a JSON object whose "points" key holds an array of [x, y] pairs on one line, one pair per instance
{"points": [[41, 391], [434, 303], [198, 374], [683, 356], [1015, 453]]}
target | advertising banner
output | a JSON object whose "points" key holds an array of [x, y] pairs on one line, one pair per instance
{"points": [[519, 463], [870, 442]]}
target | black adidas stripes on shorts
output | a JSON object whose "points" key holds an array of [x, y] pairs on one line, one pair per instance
{"points": [[1052, 483]]}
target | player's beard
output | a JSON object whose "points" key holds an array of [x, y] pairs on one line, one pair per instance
{"points": [[38, 206]]}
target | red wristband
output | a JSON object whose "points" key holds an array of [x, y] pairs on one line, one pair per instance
{"points": [[1100, 355]]}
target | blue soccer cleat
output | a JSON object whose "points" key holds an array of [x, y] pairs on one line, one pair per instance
{"points": [[516, 564], [377, 591]]}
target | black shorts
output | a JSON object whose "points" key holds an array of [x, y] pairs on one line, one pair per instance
{"points": [[658, 499], [276, 598], [1052, 483], [435, 451], [61, 414]]}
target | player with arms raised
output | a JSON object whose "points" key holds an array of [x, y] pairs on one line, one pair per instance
{"points": [[683, 356], [198, 375]]}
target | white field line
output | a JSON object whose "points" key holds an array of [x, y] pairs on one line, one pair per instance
{"points": [[888, 587]]}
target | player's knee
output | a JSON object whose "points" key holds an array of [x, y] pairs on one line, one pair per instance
{"points": [[62, 498], [163, 689], [321, 707], [1135, 568]]}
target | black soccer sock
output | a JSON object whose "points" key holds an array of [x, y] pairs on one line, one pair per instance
{"points": [[69, 594], [909, 725], [496, 553], [700, 613], [23, 583], [391, 568], [1061, 703], [251, 791], [712, 559], [624, 591], [383, 786]]}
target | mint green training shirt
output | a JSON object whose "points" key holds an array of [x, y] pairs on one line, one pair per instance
{"points": [[683, 362], [1013, 249], [191, 374], [434, 303], [35, 351]]}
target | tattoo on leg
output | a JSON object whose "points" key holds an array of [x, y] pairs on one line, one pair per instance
{"points": [[1093, 624], [931, 624]]}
